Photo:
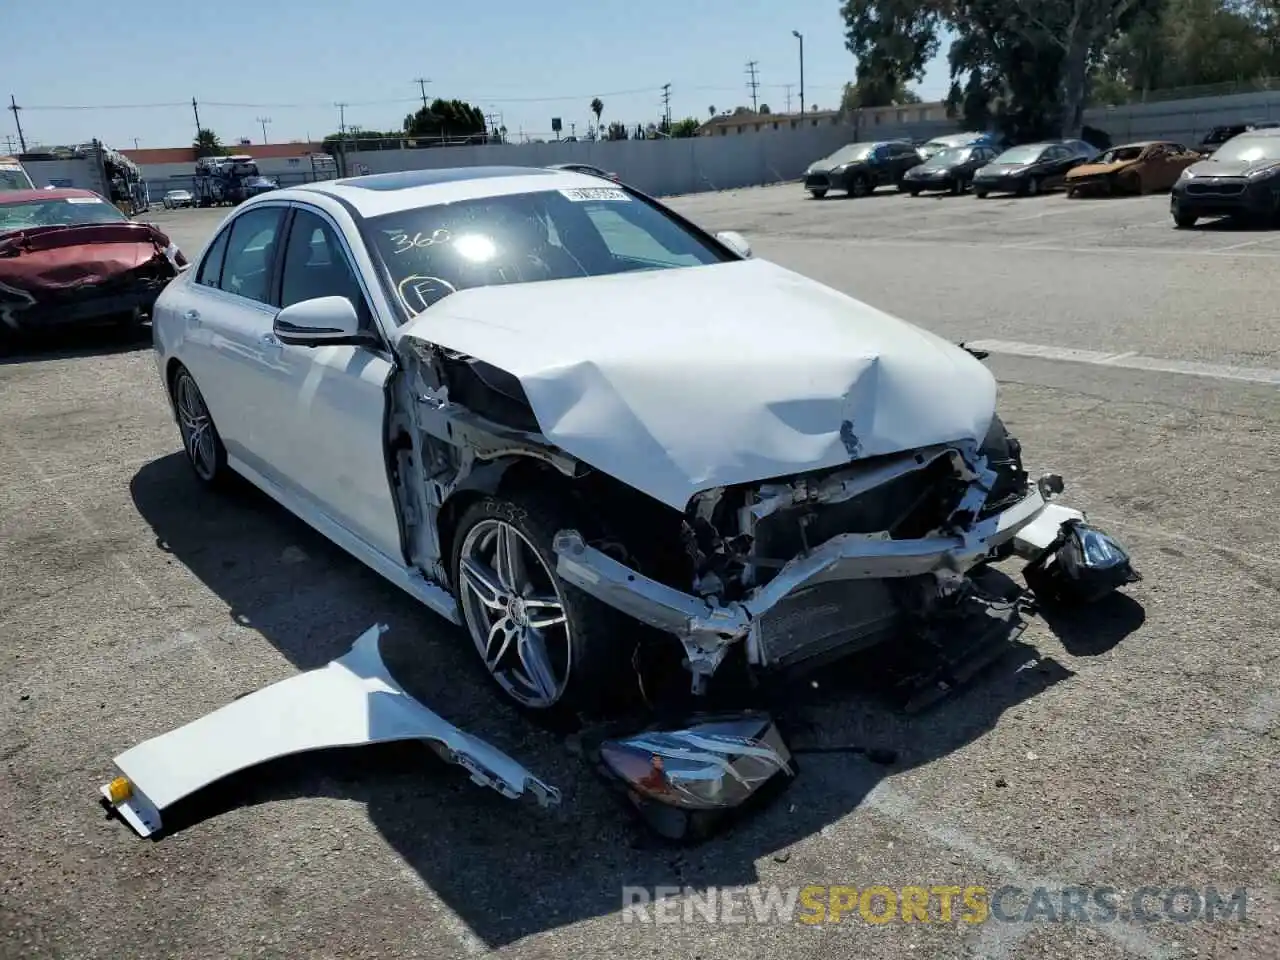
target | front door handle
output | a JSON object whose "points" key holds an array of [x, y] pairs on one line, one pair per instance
{"points": [[192, 316]]}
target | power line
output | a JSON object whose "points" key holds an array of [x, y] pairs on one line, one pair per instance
{"points": [[753, 84]]}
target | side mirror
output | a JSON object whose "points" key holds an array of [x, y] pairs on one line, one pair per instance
{"points": [[319, 322], [735, 242]]}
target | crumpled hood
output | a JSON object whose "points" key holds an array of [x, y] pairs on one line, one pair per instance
{"points": [[67, 257], [676, 381]]}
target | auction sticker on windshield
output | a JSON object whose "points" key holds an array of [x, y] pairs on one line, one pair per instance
{"points": [[584, 194], [84, 200]]}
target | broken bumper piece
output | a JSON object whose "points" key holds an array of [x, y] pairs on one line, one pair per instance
{"points": [[351, 702], [685, 781], [706, 629]]}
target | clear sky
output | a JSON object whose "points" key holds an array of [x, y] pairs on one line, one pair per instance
{"points": [[132, 69]]}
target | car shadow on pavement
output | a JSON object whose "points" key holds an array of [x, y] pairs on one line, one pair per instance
{"points": [[92, 342], [509, 869]]}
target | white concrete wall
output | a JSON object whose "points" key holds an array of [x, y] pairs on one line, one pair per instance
{"points": [[1182, 120], [665, 167]]}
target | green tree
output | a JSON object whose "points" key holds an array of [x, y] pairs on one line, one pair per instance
{"points": [[597, 107], [445, 119], [617, 131], [208, 144], [893, 41], [688, 127], [711, 111]]}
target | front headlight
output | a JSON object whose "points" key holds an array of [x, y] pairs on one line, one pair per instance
{"points": [[1262, 171], [1186, 174]]}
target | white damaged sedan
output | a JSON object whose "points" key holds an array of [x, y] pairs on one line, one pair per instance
{"points": [[569, 420]]}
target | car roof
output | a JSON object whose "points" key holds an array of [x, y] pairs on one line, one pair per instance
{"points": [[61, 193], [381, 193], [1260, 132]]}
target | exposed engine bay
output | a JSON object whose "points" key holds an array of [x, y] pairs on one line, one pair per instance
{"points": [[785, 573]]}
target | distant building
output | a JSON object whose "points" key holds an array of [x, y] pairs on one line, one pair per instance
{"points": [[868, 119], [149, 156]]}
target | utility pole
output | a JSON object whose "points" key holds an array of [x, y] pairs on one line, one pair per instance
{"points": [[422, 85], [800, 36], [8, 143], [666, 106], [196, 110], [342, 119], [788, 86], [264, 121], [13, 106], [753, 84], [135, 143]]}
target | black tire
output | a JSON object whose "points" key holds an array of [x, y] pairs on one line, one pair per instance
{"points": [[957, 187], [1034, 186], [209, 464], [600, 677], [860, 186], [818, 194], [914, 191], [980, 193], [1182, 220]]}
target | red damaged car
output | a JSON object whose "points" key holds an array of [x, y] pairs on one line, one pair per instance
{"points": [[69, 258]]}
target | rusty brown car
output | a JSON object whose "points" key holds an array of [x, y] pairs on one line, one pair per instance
{"points": [[1132, 168]]}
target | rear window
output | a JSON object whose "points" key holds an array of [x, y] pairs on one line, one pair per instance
{"points": [[430, 252], [65, 211]]}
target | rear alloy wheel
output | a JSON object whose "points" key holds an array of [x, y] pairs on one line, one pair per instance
{"points": [[200, 440], [548, 645]]}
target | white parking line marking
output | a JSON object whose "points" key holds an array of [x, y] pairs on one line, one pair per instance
{"points": [[1248, 243], [1113, 228], [894, 805], [1130, 361], [977, 243], [1056, 211]]}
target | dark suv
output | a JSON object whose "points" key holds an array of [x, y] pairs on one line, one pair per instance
{"points": [[859, 168], [1220, 135]]}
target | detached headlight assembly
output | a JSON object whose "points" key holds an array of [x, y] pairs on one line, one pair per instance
{"points": [[684, 781], [1083, 564]]}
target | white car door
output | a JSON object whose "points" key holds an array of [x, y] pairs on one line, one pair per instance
{"points": [[226, 312], [326, 408]]}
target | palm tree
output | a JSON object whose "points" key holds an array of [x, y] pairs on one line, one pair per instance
{"points": [[597, 107], [711, 111], [207, 143]]}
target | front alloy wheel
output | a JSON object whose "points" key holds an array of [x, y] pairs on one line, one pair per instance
{"points": [[515, 614], [200, 440]]}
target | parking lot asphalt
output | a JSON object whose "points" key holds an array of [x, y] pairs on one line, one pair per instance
{"points": [[1136, 744]]}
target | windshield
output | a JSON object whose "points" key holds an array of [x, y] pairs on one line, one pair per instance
{"points": [[946, 158], [57, 212], [1025, 154], [1246, 149], [430, 252], [848, 154], [1121, 155]]}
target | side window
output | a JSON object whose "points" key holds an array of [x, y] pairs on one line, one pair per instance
{"points": [[246, 270], [211, 266], [316, 265]]}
